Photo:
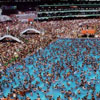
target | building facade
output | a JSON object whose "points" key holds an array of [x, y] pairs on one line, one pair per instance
{"points": [[57, 9]]}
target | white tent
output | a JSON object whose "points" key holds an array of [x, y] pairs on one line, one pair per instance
{"points": [[12, 37], [4, 18], [31, 29]]}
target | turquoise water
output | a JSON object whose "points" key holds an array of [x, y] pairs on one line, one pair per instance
{"points": [[79, 57]]}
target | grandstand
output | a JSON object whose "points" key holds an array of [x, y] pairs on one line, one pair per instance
{"points": [[57, 9], [67, 9]]}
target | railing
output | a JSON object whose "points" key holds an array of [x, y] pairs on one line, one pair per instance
{"points": [[68, 11], [59, 5], [91, 15]]}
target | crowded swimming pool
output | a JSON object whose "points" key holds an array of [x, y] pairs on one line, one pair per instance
{"points": [[66, 69]]}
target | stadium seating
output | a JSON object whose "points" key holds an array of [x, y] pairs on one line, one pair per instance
{"points": [[55, 11]]}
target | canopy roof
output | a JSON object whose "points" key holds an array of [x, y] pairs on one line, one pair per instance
{"points": [[12, 37], [4, 18], [31, 29], [89, 31]]}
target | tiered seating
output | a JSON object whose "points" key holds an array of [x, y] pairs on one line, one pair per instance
{"points": [[56, 11]]}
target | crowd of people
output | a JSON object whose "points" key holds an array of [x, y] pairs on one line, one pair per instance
{"points": [[67, 69], [52, 30], [30, 44], [14, 52]]}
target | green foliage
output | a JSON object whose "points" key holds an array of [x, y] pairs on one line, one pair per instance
{"points": [[10, 61]]}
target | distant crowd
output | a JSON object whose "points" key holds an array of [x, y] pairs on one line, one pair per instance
{"points": [[12, 52]]}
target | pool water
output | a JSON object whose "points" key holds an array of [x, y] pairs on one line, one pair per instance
{"points": [[66, 64]]}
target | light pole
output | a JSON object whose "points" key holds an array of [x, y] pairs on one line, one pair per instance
{"points": [[7, 28]]}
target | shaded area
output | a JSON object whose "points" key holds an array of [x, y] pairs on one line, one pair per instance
{"points": [[91, 36]]}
